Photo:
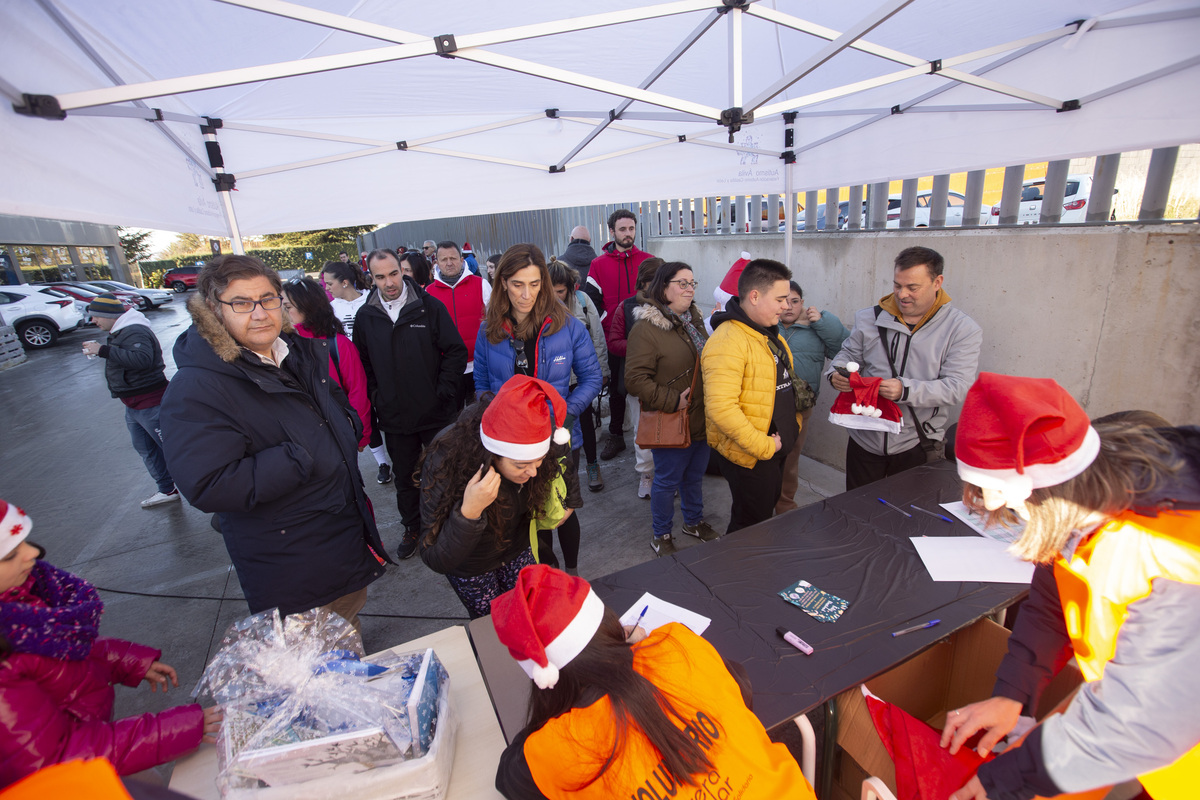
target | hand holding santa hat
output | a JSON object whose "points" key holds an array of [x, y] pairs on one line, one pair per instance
{"points": [[862, 408]]}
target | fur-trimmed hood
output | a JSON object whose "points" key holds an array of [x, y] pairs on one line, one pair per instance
{"points": [[213, 331], [648, 310]]}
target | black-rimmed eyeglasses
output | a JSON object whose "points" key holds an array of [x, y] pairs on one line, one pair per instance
{"points": [[247, 306]]}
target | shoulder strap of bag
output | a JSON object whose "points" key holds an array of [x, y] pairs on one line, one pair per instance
{"points": [[927, 444], [337, 359]]}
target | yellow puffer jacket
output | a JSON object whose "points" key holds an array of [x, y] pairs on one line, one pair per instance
{"points": [[739, 393]]}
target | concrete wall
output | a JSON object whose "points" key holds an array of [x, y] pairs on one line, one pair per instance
{"points": [[1109, 313]]}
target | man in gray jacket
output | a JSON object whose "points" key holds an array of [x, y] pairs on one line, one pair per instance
{"points": [[135, 373], [927, 354]]}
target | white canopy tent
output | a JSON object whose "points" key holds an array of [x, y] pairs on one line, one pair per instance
{"points": [[339, 112]]}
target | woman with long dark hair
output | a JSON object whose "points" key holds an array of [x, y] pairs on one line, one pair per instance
{"points": [[313, 318], [414, 264], [527, 331], [661, 360], [57, 674], [1112, 520], [618, 713], [489, 482], [348, 286]]}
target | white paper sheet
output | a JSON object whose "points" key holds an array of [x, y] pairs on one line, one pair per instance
{"points": [[970, 558], [660, 612], [1001, 533]]}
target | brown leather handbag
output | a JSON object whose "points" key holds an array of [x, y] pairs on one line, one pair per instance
{"points": [[667, 429]]}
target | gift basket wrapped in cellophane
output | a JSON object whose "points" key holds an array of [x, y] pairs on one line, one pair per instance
{"points": [[307, 718]]}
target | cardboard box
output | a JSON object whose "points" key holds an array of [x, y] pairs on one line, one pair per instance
{"points": [[951, 674]]}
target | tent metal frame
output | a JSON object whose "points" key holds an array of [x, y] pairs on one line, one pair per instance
{"points": [[402, 44]]}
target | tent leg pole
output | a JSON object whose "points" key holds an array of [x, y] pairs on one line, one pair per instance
{"points": [[789, 193], [235, 234]]}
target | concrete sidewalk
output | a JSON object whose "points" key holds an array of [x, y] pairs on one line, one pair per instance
{"points": [[164, 574]]}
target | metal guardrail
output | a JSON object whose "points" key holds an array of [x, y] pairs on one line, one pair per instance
{"points": [[716, 216]]}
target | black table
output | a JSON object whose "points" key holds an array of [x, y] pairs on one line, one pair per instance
{"points": [[850, 545]]}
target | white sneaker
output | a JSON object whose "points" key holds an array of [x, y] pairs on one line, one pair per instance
{"points": [[159, 498], [645, 483]]}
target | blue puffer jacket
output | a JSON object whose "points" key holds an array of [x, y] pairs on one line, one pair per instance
{"points": [[557, 355]]}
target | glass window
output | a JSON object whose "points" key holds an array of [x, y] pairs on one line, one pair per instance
{"points": [[1072, 188], [954, 200]]}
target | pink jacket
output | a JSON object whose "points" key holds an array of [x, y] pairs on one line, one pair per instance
{"points": [[54, 710], [349, 373]]}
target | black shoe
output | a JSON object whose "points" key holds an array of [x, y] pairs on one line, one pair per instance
{"points": [[385, 473], [612, 448], [662, 545], [702, 531], [408, 545]]}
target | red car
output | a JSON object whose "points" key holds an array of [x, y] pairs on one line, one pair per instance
{"points": [[181, 278]]}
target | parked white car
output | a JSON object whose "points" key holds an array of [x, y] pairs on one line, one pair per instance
{"points": [[955, 203], [39, 314], [1075, 199], [150, 298]]}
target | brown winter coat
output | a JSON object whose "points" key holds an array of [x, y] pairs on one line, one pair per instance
{"points": [[660, 361]]}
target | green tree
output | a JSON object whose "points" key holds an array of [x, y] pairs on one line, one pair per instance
{"points": [[185, 244], [135, 243], [326, 236]]}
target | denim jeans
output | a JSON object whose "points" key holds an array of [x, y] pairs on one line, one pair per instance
{"points": [[682, 469], [147, 440]]}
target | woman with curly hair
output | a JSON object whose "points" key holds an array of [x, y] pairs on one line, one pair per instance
{"points": [[527, 331], [488, 483], [313, 318], [1112, 520]]}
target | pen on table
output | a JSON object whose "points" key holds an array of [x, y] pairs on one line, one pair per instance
{"points": [[638, 621], [795, 641], [920, 627], [894, 508], [942, 517]]}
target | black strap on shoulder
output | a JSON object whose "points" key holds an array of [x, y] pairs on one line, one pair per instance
{"points": [[337, 360], [927, 444]]}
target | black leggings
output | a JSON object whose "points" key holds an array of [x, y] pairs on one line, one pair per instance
{"points": [[568, 539], [587, 424]]}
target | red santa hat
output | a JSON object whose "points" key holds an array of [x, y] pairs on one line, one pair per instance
{"points": [[522, 419], [1020, 434], [467, 247], [728, 287], [546, 620], [15, 525], [862, 408]]}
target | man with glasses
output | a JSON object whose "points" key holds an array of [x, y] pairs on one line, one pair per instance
{"points": [[465, 295], [414, 358], [255, 431]]}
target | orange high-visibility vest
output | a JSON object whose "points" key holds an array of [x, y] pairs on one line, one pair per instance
{"points": [[1104, 576], [569, 749]]}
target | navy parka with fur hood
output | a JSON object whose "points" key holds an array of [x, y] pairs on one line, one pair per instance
{"points": [[274, 450]]}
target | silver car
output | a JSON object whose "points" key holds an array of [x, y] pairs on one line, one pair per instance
{"points": [[150, 298]]}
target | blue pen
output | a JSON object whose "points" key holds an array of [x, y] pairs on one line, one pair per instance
{"points": [[894, 508], [942, 517], [920, 627], [638, 621]]}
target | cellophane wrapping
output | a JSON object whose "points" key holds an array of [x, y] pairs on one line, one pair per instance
{"points": [[306, 718]]}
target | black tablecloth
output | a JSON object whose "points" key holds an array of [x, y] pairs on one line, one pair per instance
{"points": [[851, 546]]}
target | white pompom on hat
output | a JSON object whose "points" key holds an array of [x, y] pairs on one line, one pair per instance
{"points": [[546, 621], [520, 422], [1020, 434], [15, 525]]}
